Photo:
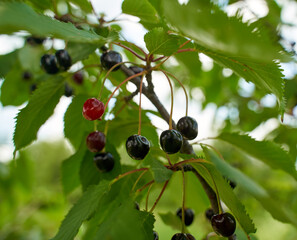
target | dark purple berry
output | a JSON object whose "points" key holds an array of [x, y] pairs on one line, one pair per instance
{"points": [[209, 213], [171, 141], [49, 64], [68, 91], [182, 236], [137, 147], [109, 59], [33, 87], [78, 77], [64, 59], [189, 215], [136, 69], [95, 141], [104, 161], [27, 75], [223, 224], [156, 236], [188, 127], [33, 41]]}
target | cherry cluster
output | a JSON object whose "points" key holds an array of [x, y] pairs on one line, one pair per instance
{"points": [[52, 64]]}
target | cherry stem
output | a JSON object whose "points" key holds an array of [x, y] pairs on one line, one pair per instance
{"points": [[168, 158], [186, 50], [126, 174], [130, 50], [185, 43], [138, 179], [184, 201], [216, 189], [107, 74], [158, 59], [139, 48], [183, 87], [126, 80], [147, 197], [95, 125], [196, 160], [171, 108], [159, 197], [145, 186], [140, 92]]}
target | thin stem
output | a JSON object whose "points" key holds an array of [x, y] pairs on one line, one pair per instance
{"points": [[187, 50], [140, 92], [55, 7], [139, 48], [183, 87], [197, 160], [184, 200], [126, 80], [185, 43], [216, 150], [171, 108], [168, 158], [130, 50], [159, 197], [107, 74], [95, 125], [147, 197], [93, 9], [216, 189], [161, 63], [145, 186], [126, 174], [158, 59], [138, 179]]}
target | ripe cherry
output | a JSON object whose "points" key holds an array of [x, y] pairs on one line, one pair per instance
{"points": [[156, 236], [33, 41], [223, 224], [183, 236], [95, 141], [109, 59], [68, 90], [189, 215], [104, 161], [49, 64], [188, 127], [93, 109], [78, 77], [209, 213], [137, 146], [171, 141], [64, 59]]}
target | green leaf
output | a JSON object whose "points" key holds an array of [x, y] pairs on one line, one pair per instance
{"points": [[211, 27], [275, 207], [85, 5], [17, 16], [40, 107], [142, 9], [159, 42], [29, 57], [226, 194], [171, 220], [136, 226], [80, 51], [81, 211], [76, 127], [70, 170], [268, 152], [265, 75], [7, 62]]}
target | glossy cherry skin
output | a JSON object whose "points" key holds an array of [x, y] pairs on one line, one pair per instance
{"points": [[209, 213], [93, 109], [96, 141], [109, 59], [49, 64], [156, 236], [223, 224], [104, 161], [189, 215], [137, 146], [64, 59], [188, 127], [182, 236], [78, 77], [171, 141]]}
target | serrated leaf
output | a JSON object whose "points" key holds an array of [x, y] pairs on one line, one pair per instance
{"points": [[275, 207], [70, 170], [171, 220], [29, 57], [80, 51], [265, 75], [159, 42], [81, 211], [268, 152], [7, 62], [76, 127], [40, 107], [142, 223], [142, 9], [226, 194], [211, 27], [16, 16]]}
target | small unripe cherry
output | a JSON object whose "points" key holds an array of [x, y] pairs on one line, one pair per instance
{"points": [[95, 141]]}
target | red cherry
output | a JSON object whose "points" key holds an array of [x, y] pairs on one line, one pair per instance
{"points": [[95, 141], [93, 109]]}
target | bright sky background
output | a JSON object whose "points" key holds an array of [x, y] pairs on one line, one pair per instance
{"points": [[134, 32]]}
